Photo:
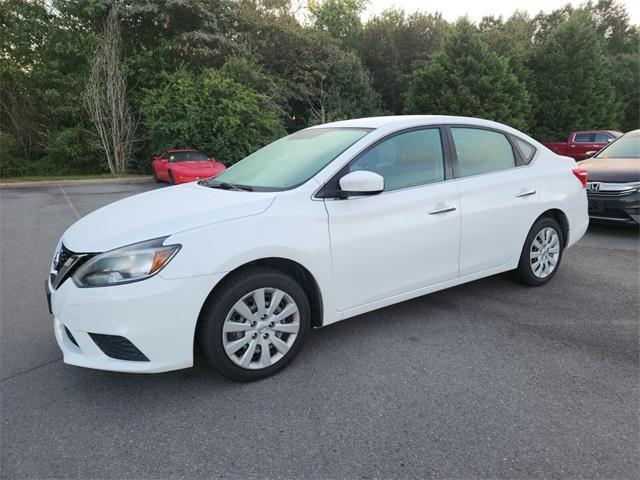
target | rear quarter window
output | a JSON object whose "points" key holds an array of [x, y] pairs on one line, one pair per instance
{"points": [[526, 150]]}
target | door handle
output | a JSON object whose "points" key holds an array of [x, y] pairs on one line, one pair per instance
{"points": [[442, 208], [526, 193]]}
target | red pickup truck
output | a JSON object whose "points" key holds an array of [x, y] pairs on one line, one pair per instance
{"points": [[583, 141]]}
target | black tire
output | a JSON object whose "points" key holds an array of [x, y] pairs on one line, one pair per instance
{"points": [[155, 175], [220, 303], [524, 273], [172, 180]]}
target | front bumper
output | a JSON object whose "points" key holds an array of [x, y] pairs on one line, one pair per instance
{"points": [[192, 176], [613, 208], [156, 316]]}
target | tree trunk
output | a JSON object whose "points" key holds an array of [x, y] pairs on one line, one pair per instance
{"points": [[106, 98]]}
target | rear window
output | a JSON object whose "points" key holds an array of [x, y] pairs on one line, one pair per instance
{"points": [[188, 156]]}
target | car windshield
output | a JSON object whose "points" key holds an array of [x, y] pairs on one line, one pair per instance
{"points": [[627, 146], [289, 161], [187, 156]]}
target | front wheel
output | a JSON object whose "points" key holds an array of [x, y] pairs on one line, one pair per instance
{"points": [[255, 325], [172, 181], [541, 253]]}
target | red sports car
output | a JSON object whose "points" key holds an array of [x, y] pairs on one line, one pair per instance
{"points": [[184, 165]]}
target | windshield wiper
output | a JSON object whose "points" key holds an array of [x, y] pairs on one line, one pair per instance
{"points": [[230, 186]]}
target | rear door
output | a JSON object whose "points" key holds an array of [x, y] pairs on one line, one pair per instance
{"points": [[498, 195], [405, 238]]}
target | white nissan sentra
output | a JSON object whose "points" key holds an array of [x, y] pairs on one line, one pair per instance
{"points": [[330, 222]]}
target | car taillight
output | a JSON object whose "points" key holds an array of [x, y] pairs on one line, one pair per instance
{"points": [[582, 175]]}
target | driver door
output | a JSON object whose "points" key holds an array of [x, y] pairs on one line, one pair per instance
{"points": [[405, 238]]}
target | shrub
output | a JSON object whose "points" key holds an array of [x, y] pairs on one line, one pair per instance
{"points": [[12, 162], [73, 150], [209, 111]]}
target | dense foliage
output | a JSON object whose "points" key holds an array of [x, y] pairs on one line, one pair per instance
{"points": [[588, 78], [208, 110], [229, 76], [467, 78]]}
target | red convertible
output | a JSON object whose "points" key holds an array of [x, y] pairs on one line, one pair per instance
{"points": [[184, 165]]}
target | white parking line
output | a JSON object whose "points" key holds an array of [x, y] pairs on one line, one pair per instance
{"points": [[73, 208]]}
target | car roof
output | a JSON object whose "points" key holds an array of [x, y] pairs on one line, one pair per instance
{"points": [[612, 132], [175, 150], [406, 120]]}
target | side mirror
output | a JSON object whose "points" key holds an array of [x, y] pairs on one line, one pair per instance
{"points": [[361, 182], [591, 153]]}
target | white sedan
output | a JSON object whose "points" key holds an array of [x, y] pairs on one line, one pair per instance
{"points": [[322, 225]]}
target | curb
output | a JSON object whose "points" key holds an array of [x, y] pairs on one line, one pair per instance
{"points": [[87, 181]]}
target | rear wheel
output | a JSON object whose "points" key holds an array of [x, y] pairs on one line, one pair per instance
{"points": [[541, 253], [255, 325]]}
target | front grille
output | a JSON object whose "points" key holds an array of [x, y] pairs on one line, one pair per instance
{"points": [[71, 337], [66, 264], [610, 193], [118, 347], [64, 255]]}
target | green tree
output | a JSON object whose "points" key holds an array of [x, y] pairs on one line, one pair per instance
{"points": [[572, 82], [252, 75], [467, 78], [310, 69], [625, 69], [544, 23], [612, 23], [209, 111], [340, 18], [512, 39], [392, 44], [621, 44], [43, 66]]}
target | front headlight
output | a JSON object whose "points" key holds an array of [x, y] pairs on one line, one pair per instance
{"points": [[124, 265]]}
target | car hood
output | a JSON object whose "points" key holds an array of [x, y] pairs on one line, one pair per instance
{"points": [[621, 170], [160, 213]]}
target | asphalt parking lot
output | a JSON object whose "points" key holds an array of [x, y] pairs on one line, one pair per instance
{"points": [[488, 380]]}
